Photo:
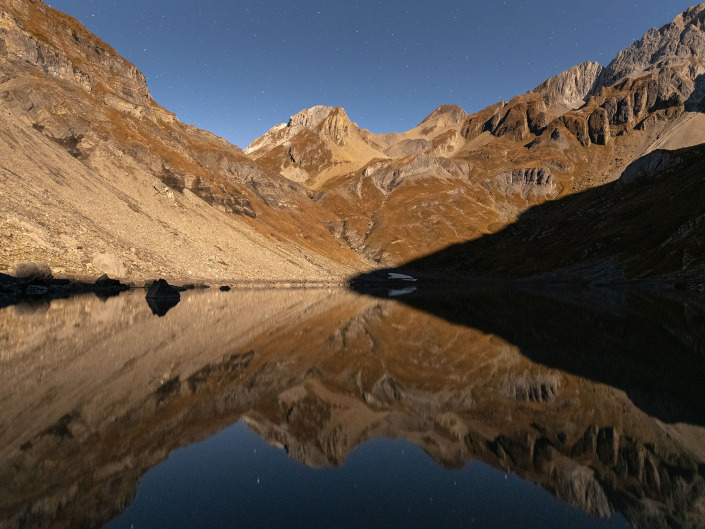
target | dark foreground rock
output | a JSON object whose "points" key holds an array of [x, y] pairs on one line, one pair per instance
{"points": [[160, 289], [162, 297], [15, 290]]}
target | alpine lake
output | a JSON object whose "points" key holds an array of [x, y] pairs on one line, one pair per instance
{"points": [[403, 406]]}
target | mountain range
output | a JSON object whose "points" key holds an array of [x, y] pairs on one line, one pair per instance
{"points": [[98, 178]]}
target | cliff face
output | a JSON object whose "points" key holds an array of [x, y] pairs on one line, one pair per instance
{"points": [[60, 47], [570, 88], [100, 178]]}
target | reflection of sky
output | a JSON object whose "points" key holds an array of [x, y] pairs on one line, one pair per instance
{"points": [[238, 68], [235, 479]]}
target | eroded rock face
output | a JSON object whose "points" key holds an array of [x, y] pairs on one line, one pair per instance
{"points": [[578, 127], [514, 123], [570, 87], [309, 117], [60, 47], [527, 182], [599, 127], [388, 175], [485, 120]]}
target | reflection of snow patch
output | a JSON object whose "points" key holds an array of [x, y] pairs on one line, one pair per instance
{"points": [[401, 291], [403, 277]]}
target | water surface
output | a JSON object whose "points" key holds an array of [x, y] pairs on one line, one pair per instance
{"points": [[300, 408]]}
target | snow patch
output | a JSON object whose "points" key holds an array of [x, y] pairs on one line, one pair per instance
{"points": [[401, 291], [403, 277]]}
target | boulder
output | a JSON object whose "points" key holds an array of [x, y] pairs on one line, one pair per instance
{"points": [[160, 289], [33, 272], [107, 283]]}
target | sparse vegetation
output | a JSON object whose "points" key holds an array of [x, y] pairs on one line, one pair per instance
{"points": [[32, 271]]}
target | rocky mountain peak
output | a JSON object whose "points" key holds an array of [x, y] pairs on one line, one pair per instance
{"points": [[569, 88], [333, 122], [310, 117], [673, 43], [452, 114], [692, 16]]}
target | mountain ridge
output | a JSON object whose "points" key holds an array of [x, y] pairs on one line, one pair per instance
{"points": [[580, 128], [165, 198], [317, 197]]}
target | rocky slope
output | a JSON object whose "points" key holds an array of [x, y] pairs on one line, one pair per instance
{"points": [[457, 177], [645, 228], [319, 372], [97, 177]]}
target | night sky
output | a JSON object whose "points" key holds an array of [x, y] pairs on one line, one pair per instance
{"points": [[238, 68]]}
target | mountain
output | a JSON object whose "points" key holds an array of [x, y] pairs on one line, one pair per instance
{"points": [[646, 227], [97, 177], [458, 177]]}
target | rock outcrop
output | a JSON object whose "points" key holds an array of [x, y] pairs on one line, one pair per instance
{"points": [[672, 44], [570, 88], [527, 182]]}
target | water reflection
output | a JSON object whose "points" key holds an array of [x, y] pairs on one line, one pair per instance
{"points": [[102, 391], [160, 306]]}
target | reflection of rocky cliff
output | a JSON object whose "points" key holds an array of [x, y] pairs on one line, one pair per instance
{"points": [[316, 373]]}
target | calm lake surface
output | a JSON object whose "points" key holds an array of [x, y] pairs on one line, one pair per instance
{"points": [[328, 408]]}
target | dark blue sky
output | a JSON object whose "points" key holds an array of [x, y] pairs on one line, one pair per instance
{"points": [[237, 68]]}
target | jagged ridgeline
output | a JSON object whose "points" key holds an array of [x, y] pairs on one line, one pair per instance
{"points": [[100, 178], [457, 177]]}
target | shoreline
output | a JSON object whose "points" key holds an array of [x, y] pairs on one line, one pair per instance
{"points": [[15, 290]]}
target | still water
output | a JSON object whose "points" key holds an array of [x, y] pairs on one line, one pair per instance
{"points": [[327, 408]]}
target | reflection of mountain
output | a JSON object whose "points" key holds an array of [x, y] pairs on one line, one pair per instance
{"points": [[650, 346], [316, 372]]}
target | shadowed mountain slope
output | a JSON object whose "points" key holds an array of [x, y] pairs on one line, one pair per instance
{"points": [[647, 227]]}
